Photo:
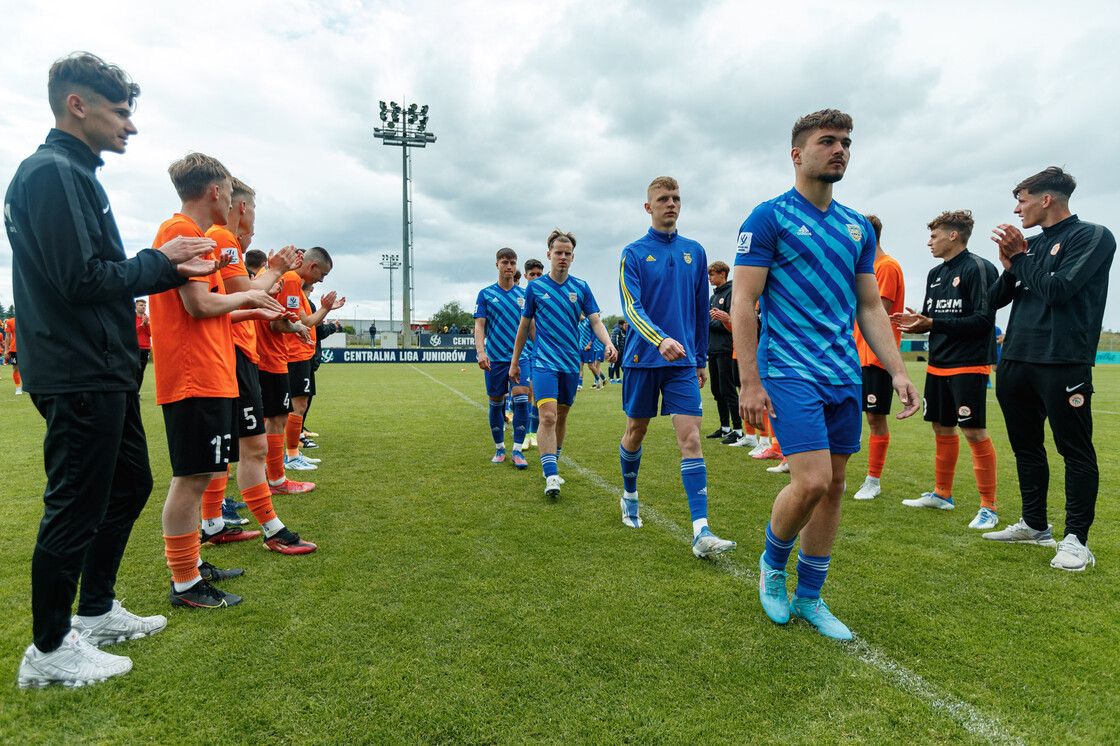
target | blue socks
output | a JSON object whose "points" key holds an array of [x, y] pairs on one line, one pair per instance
{"points": [[695, 477], [548, 464], [777, 551], [498, 423], [520, 419], [631, 461], [534, 418], [811, 572]]}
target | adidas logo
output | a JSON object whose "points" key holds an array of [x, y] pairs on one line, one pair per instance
{"points": [[803, 231], [544, 297], [630, 474], [649, 258], [703, 492]]}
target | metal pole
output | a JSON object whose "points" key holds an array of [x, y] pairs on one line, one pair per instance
{"points": [[407, 260]]}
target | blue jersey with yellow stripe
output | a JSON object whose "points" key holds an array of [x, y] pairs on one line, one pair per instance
{"points": [[502, 311], [663, 282], [809, 302], [556, 309]]}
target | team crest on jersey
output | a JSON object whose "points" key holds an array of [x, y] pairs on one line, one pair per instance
{"points": [[744, 243], [232, 254], [649, 258], [956, 281], [572, 297], [1055, 248], [293, 301], [521, 302], [871, 398], [855, 232], [1077, 400], [964, 413]]}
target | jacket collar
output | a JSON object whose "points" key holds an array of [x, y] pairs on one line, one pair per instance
{"points": [[75, 147], [1061, 225], [665, 238]]}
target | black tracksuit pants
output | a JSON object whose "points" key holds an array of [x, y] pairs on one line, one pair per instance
{"points": [[98, 480], [1029, 394], [723, 372]]}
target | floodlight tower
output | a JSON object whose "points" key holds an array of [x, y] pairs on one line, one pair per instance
{"points": [[390, 262], [405, 128]]}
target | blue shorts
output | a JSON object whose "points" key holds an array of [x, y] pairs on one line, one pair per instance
{"points": [[497, 378], [815, 416], [678, 388], [588, 356], [551, 385]]}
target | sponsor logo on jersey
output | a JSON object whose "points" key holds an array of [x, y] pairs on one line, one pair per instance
{"points": [[803, 231], [649, 258], [545, 296], [572, 297], [293, 301], [687, 258], [964, 413], [1074, 388], [1055, 248], [946, 304], [232, 254], [855, 232], [1077, 400], [744, 246], [956, 281]]}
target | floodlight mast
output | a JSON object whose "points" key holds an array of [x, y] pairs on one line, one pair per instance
{"points": [[390, 262], [405, 127]]}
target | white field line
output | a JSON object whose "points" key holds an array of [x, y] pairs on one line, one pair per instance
{"points": [[938, 699]]}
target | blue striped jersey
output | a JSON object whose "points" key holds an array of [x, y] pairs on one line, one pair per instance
{"points": [[585, 334], [808, 304], [556, 309], [502, 311]]}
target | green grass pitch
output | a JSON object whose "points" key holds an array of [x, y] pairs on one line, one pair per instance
{"points": [[451, 602]]}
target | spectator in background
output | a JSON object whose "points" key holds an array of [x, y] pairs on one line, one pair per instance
{"points": [[372, 332], [143, 338], [618, 339]]}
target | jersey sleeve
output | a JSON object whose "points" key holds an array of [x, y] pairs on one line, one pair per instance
{"points": [[700, 354], [891, 285], [530, 308], [630, 288], [1085, 255], [480, 304], [589, 305], [290, 292], [758, 238]]}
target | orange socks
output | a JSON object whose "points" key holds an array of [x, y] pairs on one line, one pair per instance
{"points": [[291, 434], [984, 464], [15, 376], [945, 464], [213, 496], [259, 500], [182, 556], [274, 461], [877, 454]]}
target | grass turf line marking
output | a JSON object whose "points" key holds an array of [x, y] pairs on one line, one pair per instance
{"points": [[958, 710]]}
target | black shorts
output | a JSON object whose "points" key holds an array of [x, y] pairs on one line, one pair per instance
{"points": [[956, 401], [12, 358], [878, 390], [274, 393], [250, 407], [299, 378], [200, 435]]}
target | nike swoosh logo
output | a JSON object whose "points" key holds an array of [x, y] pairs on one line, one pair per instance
{"points": [[1074, 388], [935, 284], [105, 210], [963, 419]]}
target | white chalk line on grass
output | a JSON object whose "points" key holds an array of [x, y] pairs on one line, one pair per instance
{"points": [[958, 710]]}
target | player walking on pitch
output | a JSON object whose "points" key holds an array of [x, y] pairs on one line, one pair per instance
{"points": [[809, 261]]}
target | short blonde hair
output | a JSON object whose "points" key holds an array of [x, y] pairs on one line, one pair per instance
{"points": [[662, 182], [193, 173], [559, 235]]}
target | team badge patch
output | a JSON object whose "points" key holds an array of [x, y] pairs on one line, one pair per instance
{"points": [[232, 254], [1055, 248], [964, 412], [744, 246], [855, 232], [293, 301], [521, 302], [956, 281], [572, 297], [871, 398], [687, 258], [1077, 400]]}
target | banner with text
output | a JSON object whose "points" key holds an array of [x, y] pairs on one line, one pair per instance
{"points": [[447, 340], [421, 355]]}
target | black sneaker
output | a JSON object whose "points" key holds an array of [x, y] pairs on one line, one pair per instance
{"points": [[307, 443], [202, 595], [211, 573], [732, 438], [717, 434]]}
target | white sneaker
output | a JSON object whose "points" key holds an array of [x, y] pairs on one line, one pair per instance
{"points": [[930, 500], [985, 518], [119, 625], [869, 490], [1072, 555], [74, 663], [761, 446], [19, 389], [1021, 533], [781, 468], [630, 513], [707, 544], [310, 460], [747, 441], [552, 486], [299, 463]]}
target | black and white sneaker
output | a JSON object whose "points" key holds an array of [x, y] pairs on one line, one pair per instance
{"points": [[732, 438], [202, 595], [213, 574], [721, 433]]}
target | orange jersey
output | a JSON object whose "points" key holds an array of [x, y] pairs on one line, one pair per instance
{"points": [[245, 332], [292, 299], [888, 276], [194, 357], [10, 334]]}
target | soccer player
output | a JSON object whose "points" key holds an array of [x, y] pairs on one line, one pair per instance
{"points": [[196, 381], [317, 264], [143, 339], [534, 268], [810, 262], [9, 349], [663, 285], [1057, 283], [553, 305], [877, 388], [960, 319], [723, 371], [74, 288], [252, 440], [497, 312]]}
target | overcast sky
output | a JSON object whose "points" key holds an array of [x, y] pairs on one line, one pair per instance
{"points": [[559, 114]]}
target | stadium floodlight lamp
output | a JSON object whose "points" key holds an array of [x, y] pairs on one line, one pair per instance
{"points": [[384, 116], [424, 111]]}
